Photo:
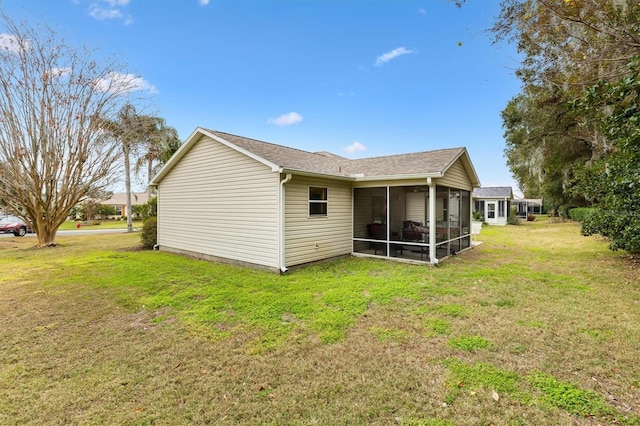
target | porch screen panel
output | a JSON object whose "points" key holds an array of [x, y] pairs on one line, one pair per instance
{"points": [[398, 210], [369, 206], [370, 221], [465, 212], [442, 213]]}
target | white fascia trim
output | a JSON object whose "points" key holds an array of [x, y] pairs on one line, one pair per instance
{"points": [[315, 174], [397, 177]]}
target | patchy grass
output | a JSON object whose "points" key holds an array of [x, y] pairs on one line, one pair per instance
{"points": [[469, 343], [98, 331]]}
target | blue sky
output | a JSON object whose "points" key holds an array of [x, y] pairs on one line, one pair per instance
{"points": [[358, 78]]}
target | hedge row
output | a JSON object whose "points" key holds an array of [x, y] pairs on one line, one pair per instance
{"points": [[579, 214]]}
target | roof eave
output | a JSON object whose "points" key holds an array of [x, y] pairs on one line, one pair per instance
{"points": [[361, 178], [299, 172], [493, 197]]}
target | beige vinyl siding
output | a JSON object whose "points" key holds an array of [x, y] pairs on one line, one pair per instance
{"points": [[331, 233], [456, 177], [221, 203]]}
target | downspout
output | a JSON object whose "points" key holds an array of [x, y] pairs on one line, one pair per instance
{"points": [[432, 221], [282, 261]]}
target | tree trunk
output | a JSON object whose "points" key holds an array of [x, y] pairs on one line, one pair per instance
{"points": [[127, 180], [46, 237], [149, 171]]}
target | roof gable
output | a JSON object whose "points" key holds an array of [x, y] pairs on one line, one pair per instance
{"points": [[291, 160]]}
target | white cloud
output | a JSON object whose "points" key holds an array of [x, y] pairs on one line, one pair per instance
{"points": [[124, 83], [203, 2], [354, 147], [10, 43], [286, 119], [386, 57], [97, 12], [59, 72], [114, 3], [110, 9], [422, 11]]}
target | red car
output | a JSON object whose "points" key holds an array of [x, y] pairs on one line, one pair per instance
{"points": [[14, 225]]}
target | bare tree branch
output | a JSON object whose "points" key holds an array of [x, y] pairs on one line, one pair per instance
{"points": [[52, 151]]}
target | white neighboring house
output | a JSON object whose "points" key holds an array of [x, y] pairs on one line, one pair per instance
{"points": [[494, 203], [527, 206]]}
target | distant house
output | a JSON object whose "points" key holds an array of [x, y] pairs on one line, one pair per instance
{"points": [[119, 201], [493, 203], [257, 203], [527, 206]]}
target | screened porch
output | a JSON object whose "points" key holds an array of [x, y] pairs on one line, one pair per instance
{"points": [[414, 222]]}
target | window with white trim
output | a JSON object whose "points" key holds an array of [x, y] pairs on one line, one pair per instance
{"points": [[318, 201], [501, 209]]}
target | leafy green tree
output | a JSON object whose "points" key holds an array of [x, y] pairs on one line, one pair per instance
{"points": [[613, 182], [568, 45], [132, 131], [127, 130], [543, 144], [160, 143], [150, 208], [105, 210], [135, 133]]}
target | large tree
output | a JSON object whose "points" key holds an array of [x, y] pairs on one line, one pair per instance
{"points": [[138, 133], [127, 129], [613, 182], [544, 142], [52, 150], [567, 46], [160, 143]]}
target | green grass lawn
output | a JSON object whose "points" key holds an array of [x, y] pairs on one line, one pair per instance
{"points": [[104, 224], [537, 325]]}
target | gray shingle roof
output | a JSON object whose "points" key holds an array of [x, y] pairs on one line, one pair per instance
{"points": [[493, 192], [286, 157], [419, 163], [120, 198], [426, 162]]}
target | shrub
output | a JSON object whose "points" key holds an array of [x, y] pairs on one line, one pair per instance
{"points": [[621, 227], [150, 208], [513, 220], [149, 234], [563, 210], [530, 217], [580, 214]]}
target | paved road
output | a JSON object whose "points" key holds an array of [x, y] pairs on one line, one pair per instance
{"points": [[77, 232]]}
